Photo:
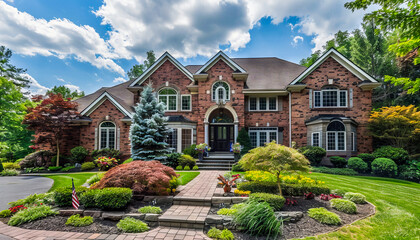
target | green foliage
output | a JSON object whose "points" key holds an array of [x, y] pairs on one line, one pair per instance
{"points": [[88, 166], [172, 159], [113, 198], [187, 168], [384, 167], [128, 161], [179, 167], [1, 167], [10, 165], [44, 198], [67, 169], [186, 160], [355, 197], [5, 213], [54, 169], [79, 154], [150, 209], [174, 183], [313, 154], [338, 162], [106, 152], [77, 221], [195, 167], [138, 69], [324, 216], [398, 155], [254, 187], [9, 172], [66, 92], [88, 198], [191, 151], [337, 171], [227, 211], [237, 168], [214, 233], [30, 214], [275, 201], [95, 178], [258, 218], [244, 140], [287, 189], [132, 225], [62, 196], [226, 234], [343, 205], [338, 192], [358, 165], [367, 158], [307, 62]]}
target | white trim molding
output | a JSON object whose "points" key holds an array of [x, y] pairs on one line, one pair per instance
{"points": [[190, 107], [101, 99]]}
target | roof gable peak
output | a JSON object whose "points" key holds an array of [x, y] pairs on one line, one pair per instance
{"points": [[220, 55]]}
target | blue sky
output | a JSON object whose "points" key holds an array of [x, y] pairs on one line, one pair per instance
{"points": [[87, 44]]}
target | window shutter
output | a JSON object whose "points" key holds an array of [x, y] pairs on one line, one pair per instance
{"points": [[96, 138], [118, 138], [351, 97], [310, 98]]}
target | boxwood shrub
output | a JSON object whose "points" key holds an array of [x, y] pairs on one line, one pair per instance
{"points": [[355, 197], [62, 196], [77, 221], [88, 198], [132, 225], [113, 198], [343, 205], [186, 160], [88, 166], [287, 189], [384, 167], [337, 171], [324, 216], [367, 158], [275, 201], [398, 155], [358, 165], [150, 209], [313, 154], [338, 162]]}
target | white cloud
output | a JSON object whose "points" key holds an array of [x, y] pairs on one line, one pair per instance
{"points": [[73, 87], [119, 80], [60, 79], [34, 87], [296, 40]]}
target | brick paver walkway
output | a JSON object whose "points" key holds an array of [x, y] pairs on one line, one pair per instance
{"points": [[201, 187]]}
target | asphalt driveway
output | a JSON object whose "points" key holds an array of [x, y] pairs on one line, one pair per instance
{"points": [[17, 187]]}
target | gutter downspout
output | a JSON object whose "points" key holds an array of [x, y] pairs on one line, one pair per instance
{"points": [[290, 119]]}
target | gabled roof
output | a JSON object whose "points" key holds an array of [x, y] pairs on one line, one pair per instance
{"points": [[349, 65], [217, 57], [118, 103], [165, 57]]}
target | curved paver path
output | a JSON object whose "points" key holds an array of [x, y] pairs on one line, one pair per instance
{"points": [[203, 186], [18, 187]]}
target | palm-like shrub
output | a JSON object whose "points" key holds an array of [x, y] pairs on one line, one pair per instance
{"points": [[143, 177]]}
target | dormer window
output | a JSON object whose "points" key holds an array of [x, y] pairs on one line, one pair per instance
{"points": [[330, 97], [220, 91], [169, 97]]}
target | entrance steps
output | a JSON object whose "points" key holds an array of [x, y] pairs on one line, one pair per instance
{"points": [[217, 161]]}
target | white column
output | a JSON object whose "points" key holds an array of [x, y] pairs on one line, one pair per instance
{"points": [[179, 140], [206, 132], [236, 131]]}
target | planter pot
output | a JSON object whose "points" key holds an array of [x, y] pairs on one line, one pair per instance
{"points": [[200, 156]]}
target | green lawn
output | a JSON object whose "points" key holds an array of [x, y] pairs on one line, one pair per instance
{"points": [[64, 180], [186, 177]]}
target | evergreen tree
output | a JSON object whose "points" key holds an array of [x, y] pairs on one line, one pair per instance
{"points": [[148, 130], [244, 140]]}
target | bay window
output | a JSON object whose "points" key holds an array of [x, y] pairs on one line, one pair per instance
{"points": [[336, 136]]}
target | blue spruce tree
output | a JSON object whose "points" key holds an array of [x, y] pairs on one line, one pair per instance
{"points": [[148, 130]]}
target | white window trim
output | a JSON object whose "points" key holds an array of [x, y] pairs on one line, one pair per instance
{"points": [[338, 98], [107, 135], [261, 129], [215, 98], [186, 95], [336, 141], [167, 99], [267, 104], [319, 139], [353, 140]]}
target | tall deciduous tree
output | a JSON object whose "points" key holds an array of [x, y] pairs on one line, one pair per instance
{"points": [[148, 131], [51, 117], [66, 92], [9, 71], [138, 69]]}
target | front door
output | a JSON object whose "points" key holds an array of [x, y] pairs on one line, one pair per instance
{"points": [[221, 137]]}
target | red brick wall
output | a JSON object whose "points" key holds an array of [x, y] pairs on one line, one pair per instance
{"points": [[69, 140], [344, 79]]}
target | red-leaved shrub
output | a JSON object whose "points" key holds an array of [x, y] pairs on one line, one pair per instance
{"points": [[143, 177]]}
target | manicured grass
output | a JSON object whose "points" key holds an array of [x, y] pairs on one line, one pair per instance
{"points": [[64, 180], [186, 177]]}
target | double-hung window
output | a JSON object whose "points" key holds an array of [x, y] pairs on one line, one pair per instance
{"points": [[107, 135], [262, 104], [170, 98], [330, 97], [186, 102], [316, 139], [260, 136]]}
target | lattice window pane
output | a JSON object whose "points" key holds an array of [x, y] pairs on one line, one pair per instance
{"points": [[263, 138], [343, 98], [186, 103], [263, 103], [103, 138], [340, 141], [331, 141], [172, 139], [315, 139], [186, 138], [329, 98], [272, 103], [317, 99], [272, 136], [172, 103], [252, 104], [253, 137], [111, 138]]}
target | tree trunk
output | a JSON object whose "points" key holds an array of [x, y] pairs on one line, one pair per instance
{"points": [[279, 184], [57, 164]]}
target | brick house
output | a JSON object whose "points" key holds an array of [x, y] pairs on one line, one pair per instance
{"points": [[326, 105]]}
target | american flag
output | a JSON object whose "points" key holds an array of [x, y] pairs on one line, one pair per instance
{"points": [[74, 199]]}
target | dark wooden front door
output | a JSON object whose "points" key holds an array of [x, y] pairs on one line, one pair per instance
{"points": [[221, 137]]}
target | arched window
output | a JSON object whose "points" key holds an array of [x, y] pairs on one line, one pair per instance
{"points": [[107, 135], [336, 136], [170, 98], [220, 91]]}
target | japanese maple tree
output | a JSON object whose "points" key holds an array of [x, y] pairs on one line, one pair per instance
{"points": [[51, 117]]}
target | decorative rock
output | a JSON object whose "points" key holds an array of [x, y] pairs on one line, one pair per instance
{"points": [[92, 213], [289, 215], [218, 200], [114, 216], [139, 216], [214, 219], [69, 212], [236, 200], [151, 217], [230, 194], [164, 199]]}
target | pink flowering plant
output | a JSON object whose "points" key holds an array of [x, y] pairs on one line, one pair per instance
{"points": [[237, 148], [105, 163], [202, 147]]}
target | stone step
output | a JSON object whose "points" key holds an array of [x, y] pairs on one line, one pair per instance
{"points": [[192, 201], [210, 164], [209, 160], [221, 157], [185, 216], [214, 168]]}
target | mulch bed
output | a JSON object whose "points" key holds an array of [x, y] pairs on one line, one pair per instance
{"points": [[307, 226]]}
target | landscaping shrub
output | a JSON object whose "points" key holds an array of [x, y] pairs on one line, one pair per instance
{"points": [[355, 197], [31, 214], [143, 177], [67, 169], [338, 162], [173, 184], [338, 192], [179, 168], [172, 159], [343, 205], [88, 166], [37, 159], [254, 187], [79, 154], [195, 167], [10, 165], [367, 158], [357, 164], [128, 161], [313, 154], [186, 160], [150, 209], [54, 169], [275, 201], [410, 175], [77, 221], [187, 168], [43, 198], [258, 218], [88, 198], [245, 141], [105, 163], [106, 152], [384, 167], [214, 233], [398, 155], [5, 213], [337, 171], [1, 167], [237, 168], [324, 216], [287, 189], [227, 211], [62, 196], [191, 151], [132, 225], [113, 198], [9, 172], [226, 234], [95, 178]]}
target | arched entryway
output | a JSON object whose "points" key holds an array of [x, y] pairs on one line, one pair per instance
{"points": [[221, 128]]}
